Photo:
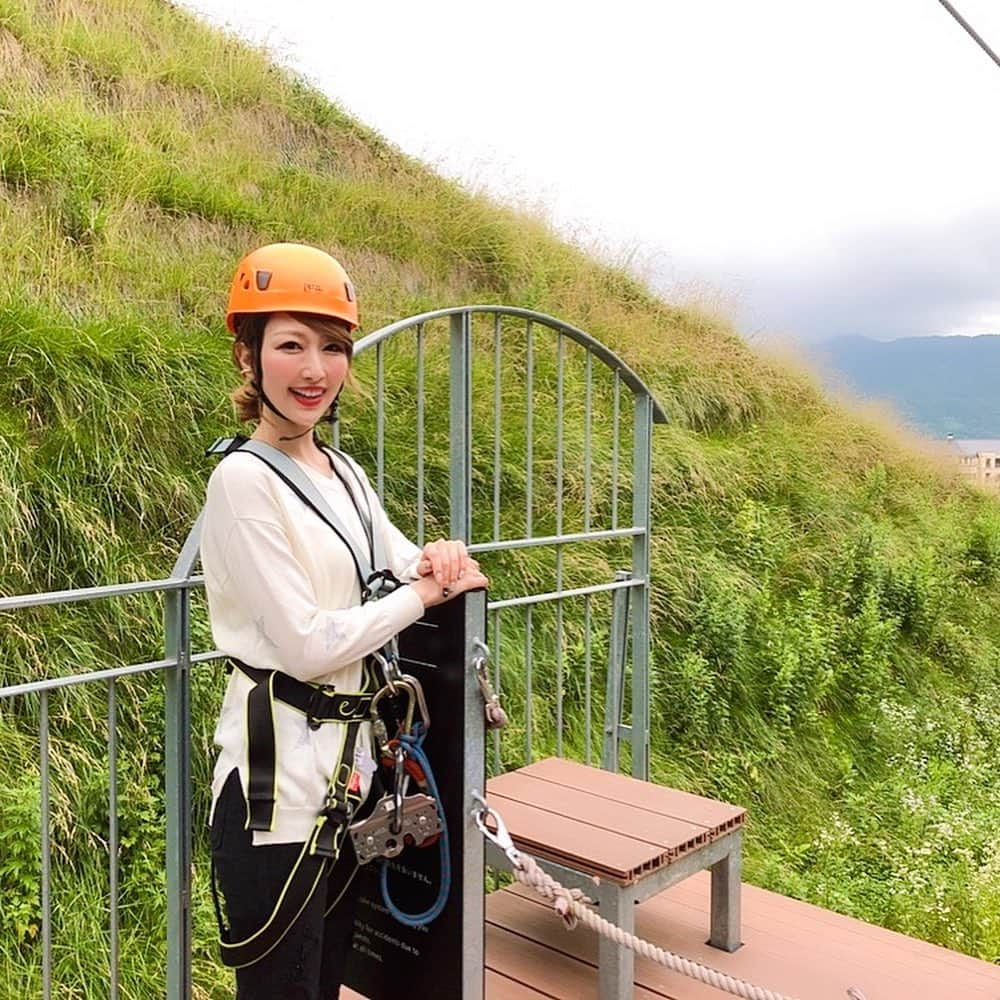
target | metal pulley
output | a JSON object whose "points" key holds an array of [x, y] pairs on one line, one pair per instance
{"points": [[418, 823], [399, 820]]}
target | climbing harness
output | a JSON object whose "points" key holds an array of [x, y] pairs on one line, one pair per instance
{"points": [[571, 905], [419, 821], [319, 703], [374, 582]]}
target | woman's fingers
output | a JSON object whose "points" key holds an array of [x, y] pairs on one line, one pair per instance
{"points": [[446, 560], [470, 581], [432, 593], [449, 562]]}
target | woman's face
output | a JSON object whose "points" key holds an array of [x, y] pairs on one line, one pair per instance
{"points": [[301, 370]]}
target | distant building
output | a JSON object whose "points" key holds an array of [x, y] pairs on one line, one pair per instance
{"points": [[979, 460]]}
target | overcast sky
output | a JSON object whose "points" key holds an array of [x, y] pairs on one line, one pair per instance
{"points": [[814, 167]]}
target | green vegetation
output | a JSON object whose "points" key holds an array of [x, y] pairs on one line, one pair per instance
{"points": [[826, 597]]}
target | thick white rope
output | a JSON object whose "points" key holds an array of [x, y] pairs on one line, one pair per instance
{"points": [[570, 905]]}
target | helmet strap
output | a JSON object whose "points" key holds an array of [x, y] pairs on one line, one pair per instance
{"points": [[330, 417], [294, 437]]}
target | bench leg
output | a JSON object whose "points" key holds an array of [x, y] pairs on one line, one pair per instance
{"points": [[726, 883], [616, 965]]}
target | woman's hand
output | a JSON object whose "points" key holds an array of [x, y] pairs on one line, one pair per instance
{"points": [[446, 569], [429, 591], [447, 561]]}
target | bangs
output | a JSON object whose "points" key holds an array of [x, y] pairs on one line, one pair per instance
{"points": [[334, 330]]}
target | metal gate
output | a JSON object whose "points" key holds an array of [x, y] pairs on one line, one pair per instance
{"points": [[508, 428]]}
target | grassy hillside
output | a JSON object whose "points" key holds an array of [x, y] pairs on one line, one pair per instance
{"points": [[826, 607]]}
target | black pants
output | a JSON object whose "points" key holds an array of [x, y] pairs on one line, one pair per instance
{"points": [[309, 961]]}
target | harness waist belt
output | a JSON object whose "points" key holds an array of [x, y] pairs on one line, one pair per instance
{"points": [[319, 703]]}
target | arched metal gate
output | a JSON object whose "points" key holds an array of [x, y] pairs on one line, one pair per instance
{"points": [[531, 394], [508, 428]]}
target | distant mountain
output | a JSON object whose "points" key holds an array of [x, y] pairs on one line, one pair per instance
{"points": [[941, 385]]}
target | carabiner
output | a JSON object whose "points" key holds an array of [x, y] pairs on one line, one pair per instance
{"points": [[389, 664], [417, 690], [479, 665], [409, 686], [500, 838]]}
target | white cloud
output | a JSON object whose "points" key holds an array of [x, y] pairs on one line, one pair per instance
{"points": [[757, 140]]}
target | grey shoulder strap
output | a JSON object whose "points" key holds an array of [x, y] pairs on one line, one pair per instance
{"points": [[292, 475]]}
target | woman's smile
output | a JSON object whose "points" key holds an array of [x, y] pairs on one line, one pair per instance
{"points": [[310, 397]]}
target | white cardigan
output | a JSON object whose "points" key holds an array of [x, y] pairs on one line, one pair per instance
{"points": [[283, 594]]}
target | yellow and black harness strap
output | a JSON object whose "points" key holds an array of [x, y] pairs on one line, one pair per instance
{"points": [[314, 862], [305, 876], [342, 799], [323, 847], [318, 703]]}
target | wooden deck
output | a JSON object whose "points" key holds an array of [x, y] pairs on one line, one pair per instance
{"points": [[605, 824], [791, 947], [562, 811]]}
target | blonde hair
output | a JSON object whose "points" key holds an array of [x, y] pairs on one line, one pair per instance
{"points": [[250, 334]]}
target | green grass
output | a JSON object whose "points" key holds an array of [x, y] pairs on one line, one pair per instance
{"points": [[825, 600]]}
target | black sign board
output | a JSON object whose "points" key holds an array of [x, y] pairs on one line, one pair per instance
{"points": [[443, 959]]}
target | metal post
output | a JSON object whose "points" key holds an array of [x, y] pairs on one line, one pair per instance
{"points": [[178, 796], [529, 685], [46, 823], [113, 929], [461, 426], [529, 428], [473, 778], [497, 686], [177, 728], [642, 468], [615, 963], [560, 640], [587, 677], [726, 919], [616, 675]]}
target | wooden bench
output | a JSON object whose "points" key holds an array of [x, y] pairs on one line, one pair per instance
{"points": [[635, 838]]}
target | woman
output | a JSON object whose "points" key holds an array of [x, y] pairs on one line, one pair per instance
{"points": [[285, 602]]}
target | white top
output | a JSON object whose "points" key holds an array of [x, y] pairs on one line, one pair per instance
{"points": [[283, 593]]}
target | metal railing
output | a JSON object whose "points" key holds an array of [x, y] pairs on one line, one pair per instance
{"points": [[492, 366], [525, 351]]}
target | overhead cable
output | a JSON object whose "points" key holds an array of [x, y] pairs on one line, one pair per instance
{"points": [[972, 31]]}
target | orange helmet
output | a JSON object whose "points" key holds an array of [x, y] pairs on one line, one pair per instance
{"points": [[291, 277]]}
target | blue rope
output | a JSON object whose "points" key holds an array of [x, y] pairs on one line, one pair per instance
{"points": [[412, 742]]}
